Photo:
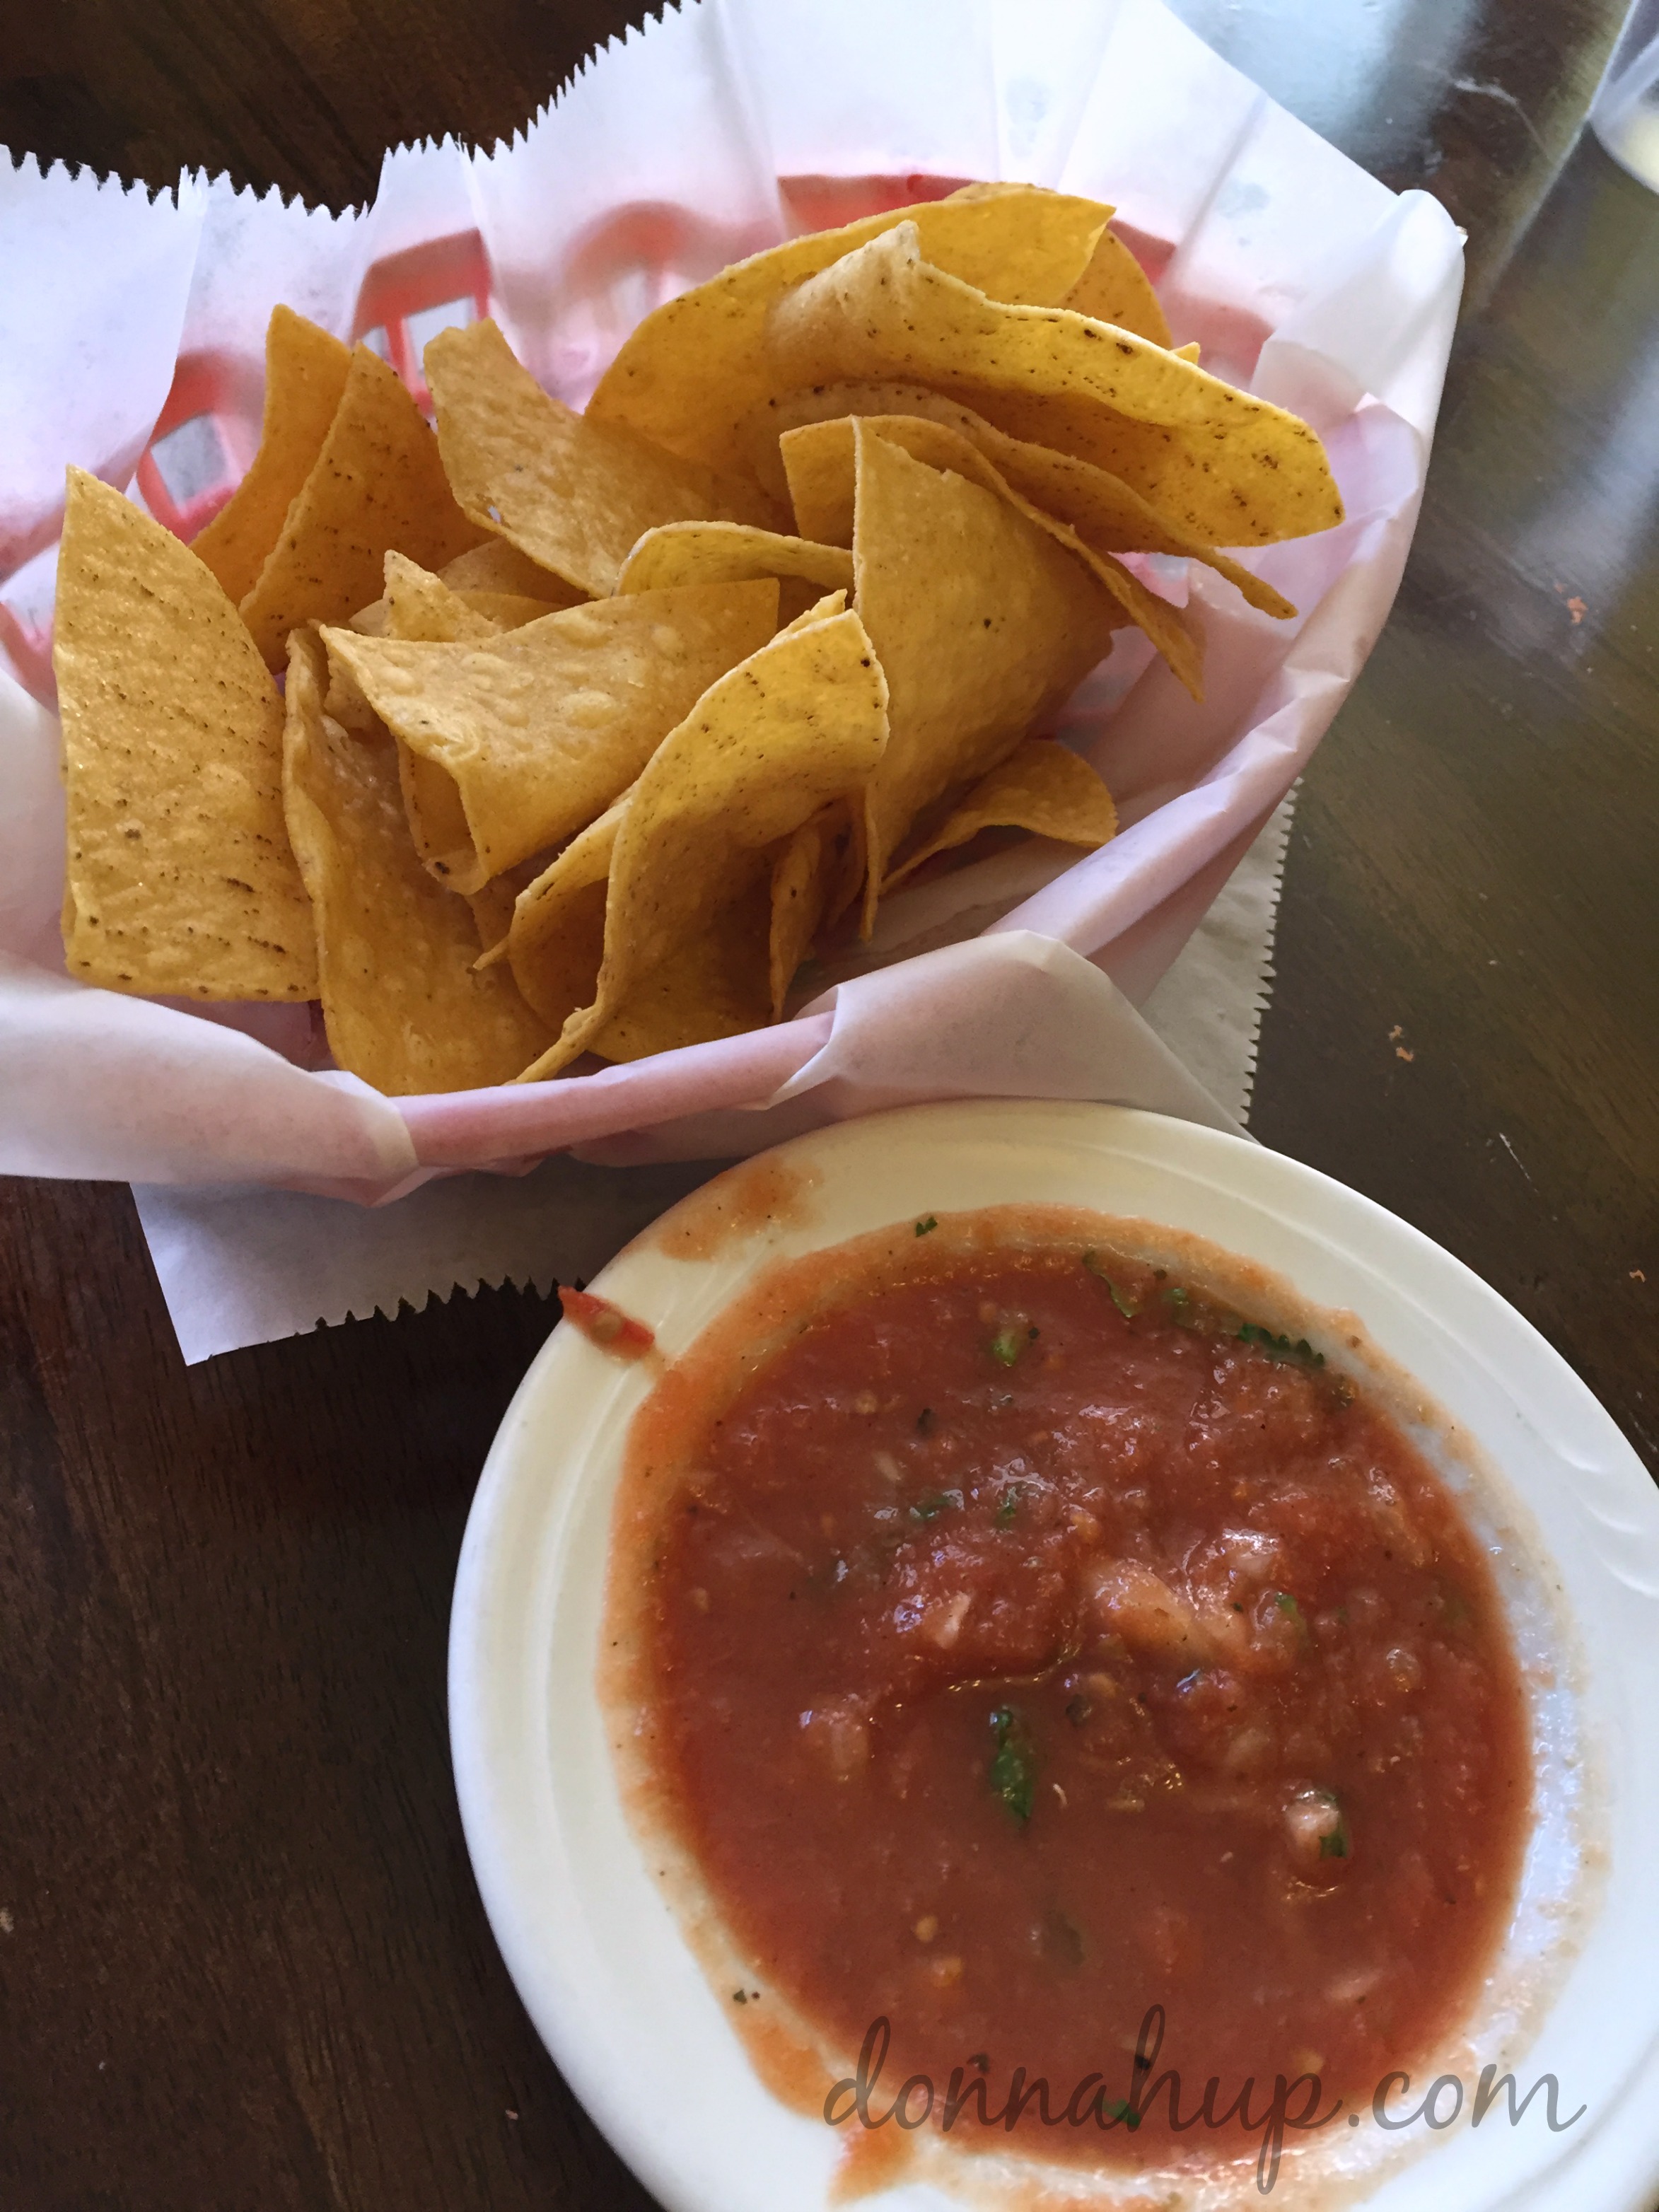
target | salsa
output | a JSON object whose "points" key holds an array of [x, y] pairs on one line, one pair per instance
{"points": [[1086, 1681]]}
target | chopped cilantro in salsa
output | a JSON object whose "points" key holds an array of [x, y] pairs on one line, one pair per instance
{"points": [[935, 1503], [930, 1223], [1008, 1508], [1013, 1769], [1007, 1345], [1126, 1306], [1293, 1613]]}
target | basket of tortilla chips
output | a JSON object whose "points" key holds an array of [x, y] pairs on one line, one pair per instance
{"points": [[522, 740]]}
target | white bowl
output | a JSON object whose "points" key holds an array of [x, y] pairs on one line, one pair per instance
{"points": [[595, 1950]]}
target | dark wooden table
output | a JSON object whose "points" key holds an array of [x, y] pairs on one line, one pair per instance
{"points": [[242, 1962]]}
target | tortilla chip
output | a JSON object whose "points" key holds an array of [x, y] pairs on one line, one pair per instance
{"points": [[821, 456], [179, 878], [832, 602], [729, 553], [715, 986], [572, 493], [421, 608], [518, 743], [1233, 469], [404, 1008], [1115, 288], [509, 610], [555, 938], [377, 486], [495, 566], [1109, 515], [436, 818], [1041, 787], [982, 623], [1105, 512], [800, 722], [306, 372], [804, 876], [501, 611], [492, 907], [697, 365], [344, 702]]}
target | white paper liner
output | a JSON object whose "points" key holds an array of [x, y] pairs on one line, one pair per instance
{"points": [[238, 1266], [662, 159]]}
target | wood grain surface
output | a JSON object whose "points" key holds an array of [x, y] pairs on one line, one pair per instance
{"points": [[242, 1962]]}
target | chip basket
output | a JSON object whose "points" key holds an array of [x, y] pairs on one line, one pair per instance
{"points": [[131, 330]]}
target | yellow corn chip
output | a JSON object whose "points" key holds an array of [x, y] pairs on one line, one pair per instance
{"points": [[422, 609], [495, 566], [1105, 512], [1041, 787], [572, 493], [800, 722], [832, 602], [344, 702], [179, 877], [982, 623], [500, 609], [306, 372], [1115, 288], [804, 881], [729, 553], [713, 986], [555, 935], [377, 485], [799, 603], [436, 820], [1109, 515], [404, 1008], [516, 744], [1231, 468], [697, 367], [509, 610], [822, 457], [492, 907]]}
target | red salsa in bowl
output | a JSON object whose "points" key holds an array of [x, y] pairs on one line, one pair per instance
{"points": [[1059, 1673]]}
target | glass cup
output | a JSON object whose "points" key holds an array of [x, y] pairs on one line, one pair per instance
{"points": [[1625, 113]]}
